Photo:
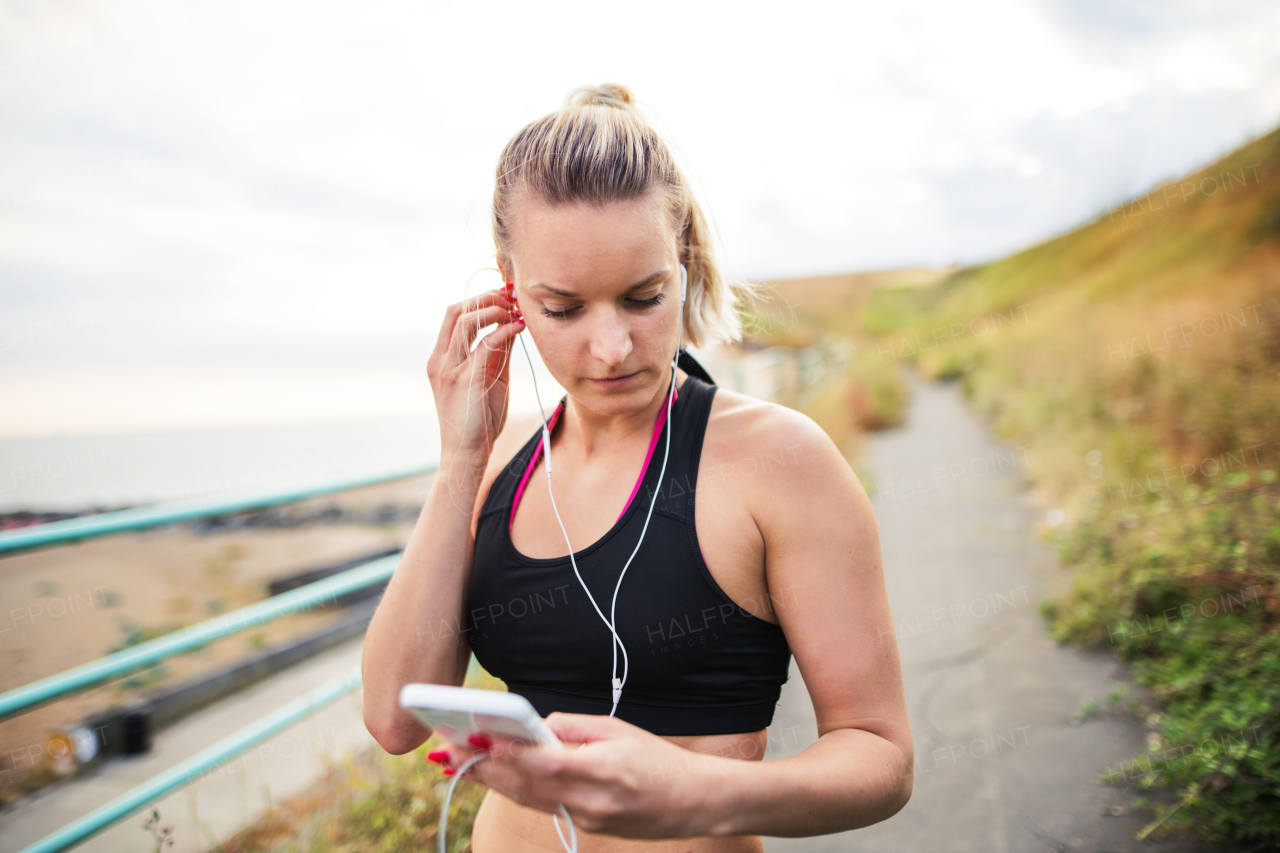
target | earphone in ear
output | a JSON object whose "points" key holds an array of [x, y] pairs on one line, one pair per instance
{"points": [[509, 289]]}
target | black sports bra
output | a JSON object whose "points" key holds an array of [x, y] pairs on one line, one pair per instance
{"points": [[699, 663]]}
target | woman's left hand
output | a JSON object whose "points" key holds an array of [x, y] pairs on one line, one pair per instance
{"points": [[624, 782]]}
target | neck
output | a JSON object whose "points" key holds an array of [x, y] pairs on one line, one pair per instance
{"points": [[591, 432]]}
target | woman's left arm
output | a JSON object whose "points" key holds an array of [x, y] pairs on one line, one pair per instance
{"points": [[826, 583]]}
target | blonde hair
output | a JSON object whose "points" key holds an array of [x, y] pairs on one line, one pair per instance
{"points": [[599, 149]]}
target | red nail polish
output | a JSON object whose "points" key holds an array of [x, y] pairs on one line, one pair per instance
{"points": [[448, 771], [440, 756], [479, 741]]}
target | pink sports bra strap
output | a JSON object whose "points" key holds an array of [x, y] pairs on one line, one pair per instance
{"points": [[653, 443]]}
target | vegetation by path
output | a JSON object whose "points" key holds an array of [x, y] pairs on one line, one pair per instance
{"points": [[1139, 357]]}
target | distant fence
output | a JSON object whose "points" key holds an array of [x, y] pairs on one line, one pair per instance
{"points": [[786, 375]]}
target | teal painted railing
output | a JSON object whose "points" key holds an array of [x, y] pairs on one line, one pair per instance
{"points": [[145, 654], [197, 765], [145, 518], [123, 662]]}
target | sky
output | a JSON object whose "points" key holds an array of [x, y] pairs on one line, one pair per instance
{"points": [[218, 214]]}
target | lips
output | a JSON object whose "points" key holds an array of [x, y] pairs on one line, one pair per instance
{"points": [[616, 381]]}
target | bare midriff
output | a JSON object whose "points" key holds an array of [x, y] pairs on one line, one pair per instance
{"points": [[504, 826]]}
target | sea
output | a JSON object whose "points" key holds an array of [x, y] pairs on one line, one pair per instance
{"points": [[95, 472], [91, 473]]}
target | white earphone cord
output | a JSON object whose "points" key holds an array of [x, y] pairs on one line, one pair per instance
{"points": [[570, 844]]}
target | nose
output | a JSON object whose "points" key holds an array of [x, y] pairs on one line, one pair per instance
{"points": [[610, 338]]}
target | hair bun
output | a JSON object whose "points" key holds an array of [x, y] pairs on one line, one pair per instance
{"points": [[604, 95]]}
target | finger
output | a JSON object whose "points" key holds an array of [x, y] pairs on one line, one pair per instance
{"points": [[448, 754], [528, 758], [469, 325], [457, 309], [498, 342], [498, 348], [510, 777], [585, 728]]}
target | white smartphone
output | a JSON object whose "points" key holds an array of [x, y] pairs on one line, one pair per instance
{"points": [[457, 712]]}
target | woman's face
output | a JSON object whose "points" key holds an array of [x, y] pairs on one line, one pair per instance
{"points": [[599, 288]]}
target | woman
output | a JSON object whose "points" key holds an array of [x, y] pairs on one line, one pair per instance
{"points": [[778, 554]]}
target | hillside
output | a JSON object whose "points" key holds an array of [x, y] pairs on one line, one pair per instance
{"points": [[1164, 311], [1139, 358]]}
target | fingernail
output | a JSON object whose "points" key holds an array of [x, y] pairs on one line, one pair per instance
{"points": [[448, 771], [440, 756], [479, 741]]}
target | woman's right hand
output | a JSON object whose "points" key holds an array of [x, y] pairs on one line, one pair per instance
{"points": [[471, 388]]}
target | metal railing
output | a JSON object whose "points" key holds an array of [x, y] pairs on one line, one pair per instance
{"points": [[145, 654], [177, 512], [188, 639], [194, 767]]}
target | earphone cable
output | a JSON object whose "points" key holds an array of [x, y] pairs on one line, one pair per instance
{"points": [[570, 844], [442, 831], [616, 683], [546, 449], [666, 454]]}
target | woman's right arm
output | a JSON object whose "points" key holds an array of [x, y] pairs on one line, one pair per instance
{"points": [[418, 632]]}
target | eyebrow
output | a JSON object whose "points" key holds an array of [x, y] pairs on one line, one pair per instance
{"points": [[637, 286]]}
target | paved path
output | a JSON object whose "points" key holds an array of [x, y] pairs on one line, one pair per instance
{"points": [[230, 797], [999, 767]]}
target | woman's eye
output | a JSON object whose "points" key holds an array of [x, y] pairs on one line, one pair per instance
{"points": [[647, 303], [563, 313]]}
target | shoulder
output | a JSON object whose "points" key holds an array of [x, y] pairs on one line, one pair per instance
{"points": [[780, 462], [750, 428]]}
